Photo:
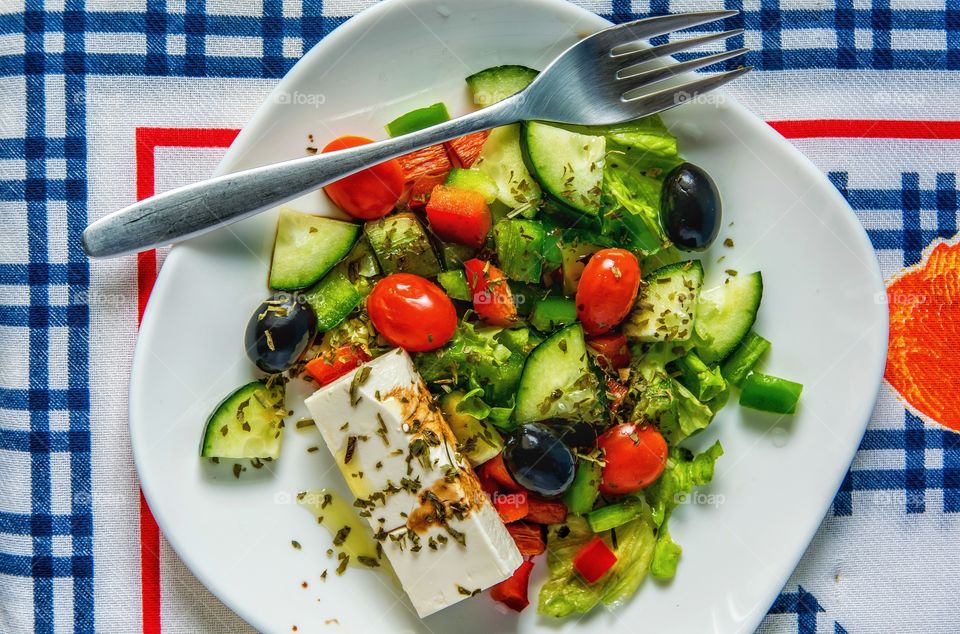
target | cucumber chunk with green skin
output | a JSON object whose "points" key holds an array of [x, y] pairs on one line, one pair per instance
{"points": [[567, 165], [666, 306], [491, 85], [418, 119], [770, 394], [454, 255], [454, 282], [401, 244], [342, 289], [613, 515], [585, 489], [559, 381], [246, 424], [519, 246], [477, 439], [475, 181], [308, 246], [502, 160], [739, 364], [725, 314], [551, 313]]}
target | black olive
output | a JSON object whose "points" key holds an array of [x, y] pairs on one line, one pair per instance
{"points": [[279, 332], [538, 460], [574, 433], [690, 208]]}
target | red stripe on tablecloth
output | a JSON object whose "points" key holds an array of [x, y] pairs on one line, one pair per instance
{"points": [[147, 140], [867, 129]]}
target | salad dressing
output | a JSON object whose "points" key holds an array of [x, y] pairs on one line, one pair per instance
{"points": [[334, 514]]}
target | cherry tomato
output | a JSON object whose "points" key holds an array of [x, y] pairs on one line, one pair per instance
{"points": [[611, 350], [492, 298], [607, 290], [635, 456], [368, 194], [411, 312]]}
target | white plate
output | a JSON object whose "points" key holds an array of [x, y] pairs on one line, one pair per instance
{"points": [[741, 538]]}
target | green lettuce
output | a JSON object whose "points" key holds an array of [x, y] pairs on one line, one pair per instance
{"points": [[486, 362], [684, 472], [675, 409], [566, 593]]}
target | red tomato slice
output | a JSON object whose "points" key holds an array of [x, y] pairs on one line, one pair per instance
{"points": [[459, 215], [528, 538], [545, 511], [496, 471], [429, 160], [333, 364], [607, 290], [594, 560], [511, 506], [465, 150], [422, 186], [635, 455], [411, 312], [492, 298], [611, 350], [513, 592], [370, 193]]}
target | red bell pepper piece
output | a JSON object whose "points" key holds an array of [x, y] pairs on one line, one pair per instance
{"points": [[465, 150], [496, 471], [511, 506], [594, 560], [421, 188], [611, 350], [546, 511], [429, 160], [528, 538], [459, 215], [492, 298], [513, 591], [333, 364]]}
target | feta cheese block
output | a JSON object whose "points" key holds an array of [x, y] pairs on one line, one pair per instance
{"points": [[437, 527]]}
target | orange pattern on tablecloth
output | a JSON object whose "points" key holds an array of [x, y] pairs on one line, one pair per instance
{"points": [[923, 362]]}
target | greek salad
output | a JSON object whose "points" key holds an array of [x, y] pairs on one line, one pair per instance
{"points": [[510, 340]]}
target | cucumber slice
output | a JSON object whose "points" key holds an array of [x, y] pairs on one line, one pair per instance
{"points": [[418, 119], [491, 85], [246, 424], [307, 247], [519, 246], [401, 244], [502, 160], [558, 381], [474, 180], [477, 439], [568, 165], [666, 305], [726, 314], [342, 289]]}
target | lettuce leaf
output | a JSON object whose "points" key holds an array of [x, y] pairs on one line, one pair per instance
{"points": [[675, 409], [477, 360], [566, 593], [684, 472]]}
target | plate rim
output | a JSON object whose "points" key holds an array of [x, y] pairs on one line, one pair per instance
{"points": [[245, 141]]}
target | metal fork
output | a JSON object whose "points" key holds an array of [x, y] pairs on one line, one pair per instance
{"points": [[596, 81]]}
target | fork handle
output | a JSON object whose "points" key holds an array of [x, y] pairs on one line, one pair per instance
{"points": [[201, 207]]}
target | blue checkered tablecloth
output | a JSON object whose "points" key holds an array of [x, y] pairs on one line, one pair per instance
{"points": [[886, 557]]}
